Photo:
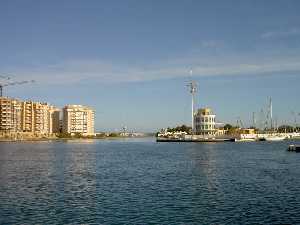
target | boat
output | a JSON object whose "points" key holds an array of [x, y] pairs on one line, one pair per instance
{"points": [[261, 139], [294, 148], [245, 140], [275, 138]]}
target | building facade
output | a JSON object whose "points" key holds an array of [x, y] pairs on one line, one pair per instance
{"points": [[28, 117], [54, 120], [36, 117], [10, 115], [78, 119], [205, 122]]}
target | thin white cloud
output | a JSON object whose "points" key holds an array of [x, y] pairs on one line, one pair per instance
{"points": [[92, 71], [281, 34]]}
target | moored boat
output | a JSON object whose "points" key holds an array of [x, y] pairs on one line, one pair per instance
{"points": [[294, 148], [275, 138]]}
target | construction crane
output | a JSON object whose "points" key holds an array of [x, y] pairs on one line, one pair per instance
{"points": [[4, 77], [2, 85]]}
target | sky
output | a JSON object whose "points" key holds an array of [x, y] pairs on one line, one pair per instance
{"points": [[130, 60]]}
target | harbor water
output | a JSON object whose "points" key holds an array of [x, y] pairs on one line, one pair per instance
{"points": [[139, 181]]}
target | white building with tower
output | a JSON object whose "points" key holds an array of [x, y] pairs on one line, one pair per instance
{"points": [[205, 122]]}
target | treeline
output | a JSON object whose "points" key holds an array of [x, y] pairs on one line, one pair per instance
{"points": [[280, 129], [288, 129], [234, 129], [79, 135], [182, 128]]}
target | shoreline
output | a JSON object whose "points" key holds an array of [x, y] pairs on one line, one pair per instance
{"points": [[68, 139]]}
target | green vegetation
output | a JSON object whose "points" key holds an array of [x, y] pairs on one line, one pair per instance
{"points": [[114, 135], [228, 126], [79, 135], [101, 135], [182, 128], [63, 135], [286, 128], [231, 129]]}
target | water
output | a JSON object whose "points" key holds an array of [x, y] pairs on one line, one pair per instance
{"points": [[144, 182]]}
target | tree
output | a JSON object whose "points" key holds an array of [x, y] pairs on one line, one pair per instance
{"points": [[113, 135], [228, 126], [285, 128], [182, 128]]}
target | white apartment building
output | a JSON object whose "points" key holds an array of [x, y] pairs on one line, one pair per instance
{"points": [[78, 119], [205, 122]]}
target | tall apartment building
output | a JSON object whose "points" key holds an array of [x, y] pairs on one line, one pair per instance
{"points": [[205, 122], [54, 120], [10, 115], [78, 119], [28, 116], [40, 118], [35, 117]]}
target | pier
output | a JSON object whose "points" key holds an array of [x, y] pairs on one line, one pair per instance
{"points": [[160, 139]]}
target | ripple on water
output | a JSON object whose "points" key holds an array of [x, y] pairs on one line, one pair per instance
{"points": [[145, 182]]}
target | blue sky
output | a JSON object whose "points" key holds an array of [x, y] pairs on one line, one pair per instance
{"points": [[130, 60]]}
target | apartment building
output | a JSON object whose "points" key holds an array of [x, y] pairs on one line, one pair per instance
{"points": [[78, 119], [35, 117], [27, 116], [10, 115], [54, 120], [40, 118]]}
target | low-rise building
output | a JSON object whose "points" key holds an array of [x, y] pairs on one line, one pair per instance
{"points": [[221, 131]]}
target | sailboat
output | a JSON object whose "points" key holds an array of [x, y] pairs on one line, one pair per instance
{"points": [[273, 136]]}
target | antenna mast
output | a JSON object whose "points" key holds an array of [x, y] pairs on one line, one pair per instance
{"points": [[271, 113], [193, 89]]}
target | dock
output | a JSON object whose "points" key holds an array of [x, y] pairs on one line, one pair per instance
{"points": [[196, 140]]}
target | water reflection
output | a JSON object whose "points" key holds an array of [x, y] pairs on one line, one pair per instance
{"points": [[81, 141], [143, 182]]}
